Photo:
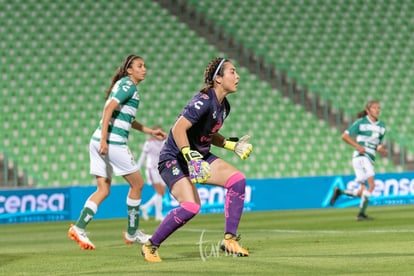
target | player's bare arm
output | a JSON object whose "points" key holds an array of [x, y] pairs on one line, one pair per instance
{"points": [[106, 117], [156, 133], [382, 150], [347, 138], [179, 132], [218, 140]]}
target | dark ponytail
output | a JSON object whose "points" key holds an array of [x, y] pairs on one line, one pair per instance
{"points": [[362, 113]]}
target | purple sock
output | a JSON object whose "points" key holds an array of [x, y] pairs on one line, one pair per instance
{"points": [[173, 220], [233, 207]]}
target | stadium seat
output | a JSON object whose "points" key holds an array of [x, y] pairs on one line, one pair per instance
{"points": [[328, 57], [71, 67]]}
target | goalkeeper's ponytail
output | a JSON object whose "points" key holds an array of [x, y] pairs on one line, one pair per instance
{"points": [[213, 69]]}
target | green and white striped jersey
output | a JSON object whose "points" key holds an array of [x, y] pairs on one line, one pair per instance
{"points": [[368, 134], [125, 92]]}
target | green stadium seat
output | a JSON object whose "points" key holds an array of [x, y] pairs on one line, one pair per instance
{"points": [[71, 69]]}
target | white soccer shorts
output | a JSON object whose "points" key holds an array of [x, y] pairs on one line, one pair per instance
{"points": [[363, 167], [153, 176], [118, 161]]}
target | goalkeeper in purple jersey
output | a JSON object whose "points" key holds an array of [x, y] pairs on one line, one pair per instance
{"points": [[186, 159]]}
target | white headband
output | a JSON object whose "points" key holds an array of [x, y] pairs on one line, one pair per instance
{"points": [[218, 69]]}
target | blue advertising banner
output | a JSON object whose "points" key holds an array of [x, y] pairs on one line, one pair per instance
{"points": [[113, 207], [390, 189], [36, 205]]}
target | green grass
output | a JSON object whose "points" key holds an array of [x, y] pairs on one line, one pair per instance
{"points": [[305, 242]]}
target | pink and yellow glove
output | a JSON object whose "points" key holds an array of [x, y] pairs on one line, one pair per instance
{"points": [[240, 146], [199, 169]]}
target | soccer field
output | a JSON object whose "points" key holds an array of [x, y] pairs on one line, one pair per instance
{"points": [[305, 242]]}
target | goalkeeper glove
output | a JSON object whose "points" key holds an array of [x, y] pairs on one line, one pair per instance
{"points": [[240, 147], [198, 169]]}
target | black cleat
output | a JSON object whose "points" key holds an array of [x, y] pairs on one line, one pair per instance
{"points": [[335, 196], [363, 217]]}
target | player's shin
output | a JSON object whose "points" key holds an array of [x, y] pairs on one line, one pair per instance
{"points": [[133, 215], [351, 192], [158, 206], [234, 204], [87, 213], [173, 220], [364, 201]]}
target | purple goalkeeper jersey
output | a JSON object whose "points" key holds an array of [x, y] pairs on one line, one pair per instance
{"points": [[206, 115]]}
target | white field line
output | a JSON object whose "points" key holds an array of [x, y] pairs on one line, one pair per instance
{"points": [[317, 232]]}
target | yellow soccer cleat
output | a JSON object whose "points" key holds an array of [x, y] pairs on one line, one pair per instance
{"points": [[231, 245], [150, 252]]}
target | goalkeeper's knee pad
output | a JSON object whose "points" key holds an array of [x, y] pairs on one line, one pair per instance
{"points": [[191, 207], [237, 182]]}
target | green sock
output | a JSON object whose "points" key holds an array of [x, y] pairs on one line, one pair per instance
{"points": [[85, 217], [133, 219]]}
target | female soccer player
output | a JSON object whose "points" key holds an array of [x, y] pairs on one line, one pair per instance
{"points": [[110, 154], [150, 155], [369, 132], [186, 159]]}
